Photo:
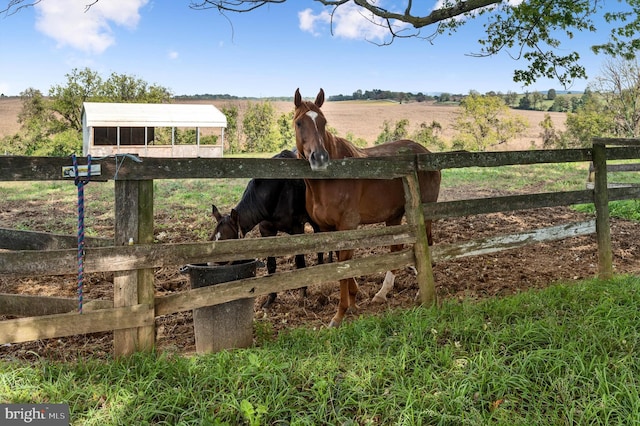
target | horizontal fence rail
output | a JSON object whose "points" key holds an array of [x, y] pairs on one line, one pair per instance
{"points": [[124, 168], [140, 256]]}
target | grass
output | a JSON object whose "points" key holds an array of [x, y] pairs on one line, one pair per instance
{"points": [[562, 355], [541, 177]]}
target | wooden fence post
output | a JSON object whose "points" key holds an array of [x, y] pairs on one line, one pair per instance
{"points": [[134, 224], [601, 202], [415, 217]]}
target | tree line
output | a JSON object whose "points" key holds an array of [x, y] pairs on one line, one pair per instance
{"points": [[52, 125]]}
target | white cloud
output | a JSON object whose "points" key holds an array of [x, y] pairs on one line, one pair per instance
{"points": [[348, 21], [309, 22], [173, 54], [67, 22]]}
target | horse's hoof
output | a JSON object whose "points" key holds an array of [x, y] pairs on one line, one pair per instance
{"points": [[334, 324], [378, 299], [270, 299]]}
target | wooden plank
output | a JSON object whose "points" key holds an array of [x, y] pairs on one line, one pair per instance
{"points": [[281, 281], [125, 282], [507, 203], [458, 159], [125, 168], [23, 305], [601, 202], [14, 239], [634, 167], [591, 185], [507, 242], [139, 256], [16, 168], [626, 193], [61, 325], [146, 289], [617, 141], [623, 153], [415, 217]]}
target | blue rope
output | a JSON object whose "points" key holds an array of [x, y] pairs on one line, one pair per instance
{"points": [[80, 183]]}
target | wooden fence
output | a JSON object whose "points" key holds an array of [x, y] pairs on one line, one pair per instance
{"points": [[132, 313]]}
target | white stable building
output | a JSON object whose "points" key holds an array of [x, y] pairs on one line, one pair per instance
{"points": [[152, 130]]}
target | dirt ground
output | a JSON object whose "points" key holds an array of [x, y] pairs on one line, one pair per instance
{"points": [[494, 275]]}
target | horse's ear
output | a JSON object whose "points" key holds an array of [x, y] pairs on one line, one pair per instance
{"points": [[297, 99], [320, 98], [234, 215], [216, 214]]}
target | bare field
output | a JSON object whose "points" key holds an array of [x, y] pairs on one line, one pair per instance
{"points": [[9, 110], [363, 119]]}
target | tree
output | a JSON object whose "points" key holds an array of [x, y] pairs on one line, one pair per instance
{"points": [[127, 88], [399, 132], [619, 88], [590, 120], [550, 136], [560, 104], [537, 99], [87, 85], [260, 128], [525, 101], [428, 135], [232, 135], [37, 124], [53, 126], [485, 121], [511, 98], [66, 100], [286, 132], [551, 94]]}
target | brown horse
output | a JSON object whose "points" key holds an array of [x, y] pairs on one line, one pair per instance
{"points": [[343, 204]]}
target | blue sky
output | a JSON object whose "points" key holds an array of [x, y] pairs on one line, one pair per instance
{"points": [[268, 52]]}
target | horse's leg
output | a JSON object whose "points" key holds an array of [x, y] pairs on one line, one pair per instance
{"points": [[300, 263], [316, 229], [266, 231], [348, 291], [390, 277], [271, 268]]}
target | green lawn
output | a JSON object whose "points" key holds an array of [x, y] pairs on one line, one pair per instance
{"points": [[563, 355]]}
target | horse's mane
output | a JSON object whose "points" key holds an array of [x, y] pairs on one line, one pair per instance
{"points": [[256, 206], [342, 148]]}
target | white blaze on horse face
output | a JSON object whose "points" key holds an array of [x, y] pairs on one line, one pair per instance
{"points": [[217, 236], [318, 157], [313, 116]]}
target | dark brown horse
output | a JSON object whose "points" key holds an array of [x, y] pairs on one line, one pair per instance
{"points": [[343, 204], [274, 205]]}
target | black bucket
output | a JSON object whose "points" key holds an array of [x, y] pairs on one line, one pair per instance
{"points": [[228, 325]]}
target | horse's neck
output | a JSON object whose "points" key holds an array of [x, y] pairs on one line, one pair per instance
{"points": [[251, 211], [341, 148]]}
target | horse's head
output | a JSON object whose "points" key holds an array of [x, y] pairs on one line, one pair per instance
{"points": [[227, 227], [309, 124]]}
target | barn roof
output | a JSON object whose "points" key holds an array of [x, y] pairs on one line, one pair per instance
{"points": [[102, 114]]}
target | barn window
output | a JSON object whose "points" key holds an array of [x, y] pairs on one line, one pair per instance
{"points": [[128, 135]]}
